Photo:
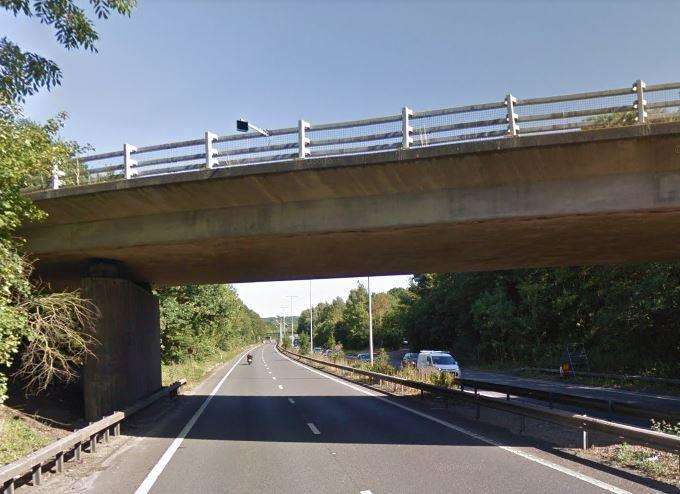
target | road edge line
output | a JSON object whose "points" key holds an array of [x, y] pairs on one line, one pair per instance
{"points": [[158, 468], [527, 456]]}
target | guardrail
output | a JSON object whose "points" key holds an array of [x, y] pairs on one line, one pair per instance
{"points": [[511, 117], [552, 397], [74, 443], [619, 377], [584, 423]]}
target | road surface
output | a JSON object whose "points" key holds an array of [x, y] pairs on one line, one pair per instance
{"points": [[648, 400], [278, 426]]}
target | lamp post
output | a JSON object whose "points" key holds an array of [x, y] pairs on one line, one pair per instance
{"points": [[370, 321], [292, 337], [311, 320]]}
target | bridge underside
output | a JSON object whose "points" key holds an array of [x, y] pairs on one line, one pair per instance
{"points": [[471, 246], [607, 196]]}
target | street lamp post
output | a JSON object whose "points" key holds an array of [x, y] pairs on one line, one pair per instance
{"points": [[311, 320], [370, 321], [292, 337]]}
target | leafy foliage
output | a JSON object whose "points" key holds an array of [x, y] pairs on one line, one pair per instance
{"points": [[48, 324], [24, 73], [196, 319], [625, 316]]}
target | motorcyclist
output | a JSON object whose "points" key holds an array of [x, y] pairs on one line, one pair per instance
{"points": [[249, 358]]}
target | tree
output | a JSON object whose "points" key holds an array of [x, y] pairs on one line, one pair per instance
{"points": [[355, 319], [24, 73], [47, 323]]}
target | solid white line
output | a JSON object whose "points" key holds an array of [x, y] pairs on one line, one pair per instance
{"points": [[313, 428], [291, 400], [510, 449], [280, 387], [155, 472], [365, 492]]}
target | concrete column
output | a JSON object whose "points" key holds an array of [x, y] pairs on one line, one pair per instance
{"points": [[127, 362]]}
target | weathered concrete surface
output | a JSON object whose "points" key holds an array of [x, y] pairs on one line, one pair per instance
{"points": [[601, 196], [127, 364]]}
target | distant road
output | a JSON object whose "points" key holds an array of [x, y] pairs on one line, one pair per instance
{"points": [[646, 399], [277, 426]]}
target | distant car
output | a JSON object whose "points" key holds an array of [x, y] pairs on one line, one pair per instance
{"points": [[409, 360], [437, 360], [364, 357], [318, 350]]}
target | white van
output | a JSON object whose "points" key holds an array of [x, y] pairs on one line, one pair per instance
{"points": [[437, 360]]}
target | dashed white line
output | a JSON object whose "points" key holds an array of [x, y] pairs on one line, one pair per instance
{"points": [[516, 451], [365, 492], [313, 428], [280, 386], [274, 378], [291, 400]]}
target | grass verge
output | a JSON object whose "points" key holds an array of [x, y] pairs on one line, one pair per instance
{"points": [[18, 436], [194, 370]]}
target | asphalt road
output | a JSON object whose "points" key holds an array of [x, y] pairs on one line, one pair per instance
{"points": [[648, 400], [278, 426]]}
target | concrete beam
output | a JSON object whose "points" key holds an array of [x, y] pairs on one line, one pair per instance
{"points": [[603, 196]]}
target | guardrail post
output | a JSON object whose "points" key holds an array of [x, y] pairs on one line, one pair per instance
{"points": [[78, 450], [513, 128], [210, 151], [640, 103], [585, 439], [303, 140], [8, 487], [406, 129], [59, 463], [56, 177], [129, 163], [36, 474], [93, 443]]}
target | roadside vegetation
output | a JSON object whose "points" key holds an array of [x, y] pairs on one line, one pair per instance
{"points": [[625, 317], [203, 326]]}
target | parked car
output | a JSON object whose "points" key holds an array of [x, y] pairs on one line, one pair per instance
{"points": [[409, 360], [438, 360], [364, 357], [318, 350]]}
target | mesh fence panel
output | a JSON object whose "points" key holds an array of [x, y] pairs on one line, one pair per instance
{"points": [[563, 116], [573, 113], [472, 126], [380, 136], [250, 150]]}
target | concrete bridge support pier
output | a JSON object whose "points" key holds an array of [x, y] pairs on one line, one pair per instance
{"points": [[126, 365]]}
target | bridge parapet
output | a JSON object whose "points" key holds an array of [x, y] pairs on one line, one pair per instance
{"points": [[508, 118]]}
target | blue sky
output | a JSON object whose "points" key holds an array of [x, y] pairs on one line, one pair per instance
{"points": [[178, 68]]}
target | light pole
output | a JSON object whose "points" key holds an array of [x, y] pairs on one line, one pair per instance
{"points": [[311, 320], [370, 321], [292, 337], [282, 323]]}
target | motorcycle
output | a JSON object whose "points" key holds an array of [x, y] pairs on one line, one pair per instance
{"points": [[249, 359]]}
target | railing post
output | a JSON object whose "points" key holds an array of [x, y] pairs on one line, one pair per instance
{"points": [[210, 151], [406, 129], [513, 128], [56, 177], [128, 149], [640, 103], [303, 140]]}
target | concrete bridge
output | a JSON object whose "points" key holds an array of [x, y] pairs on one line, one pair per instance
{"points": [[601, 196]]}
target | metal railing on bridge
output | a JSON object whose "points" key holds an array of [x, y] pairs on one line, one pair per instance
{"points": [[508, 118]]}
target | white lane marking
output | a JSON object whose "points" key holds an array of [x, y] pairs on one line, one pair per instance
{"points": [[291, 400], [527, 456], [280, 386], [313, 428], [155, 472], [365, 492], [274, 378]]}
